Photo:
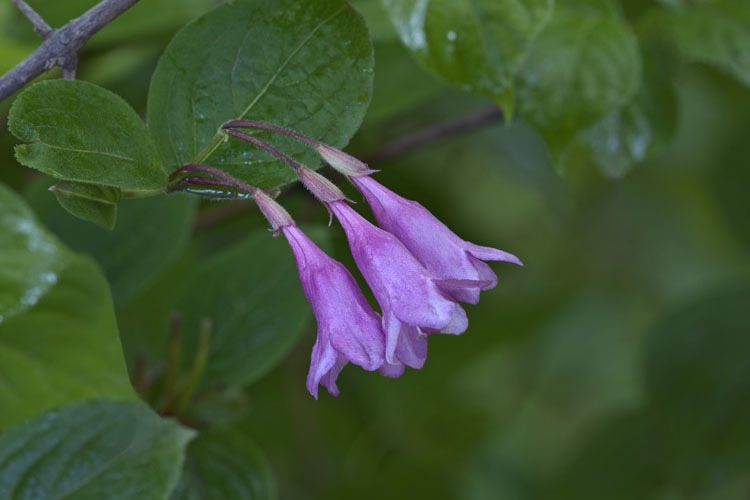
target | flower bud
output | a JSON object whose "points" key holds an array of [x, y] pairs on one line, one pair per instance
{"points": [[323, 189], [344, 163], [275, 213]]}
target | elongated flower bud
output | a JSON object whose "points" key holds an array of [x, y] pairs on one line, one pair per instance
{"points": [[323, 189], [277, 216], [344, 163]]}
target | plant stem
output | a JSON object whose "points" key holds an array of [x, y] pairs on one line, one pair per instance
{"points": [[270, 127], [199, 364], [140, 193], [173, 364], [40, 25], [61, 45], [209, 148], [264, 146]]}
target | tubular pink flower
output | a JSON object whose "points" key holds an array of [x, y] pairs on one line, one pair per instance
{"points": [[348, 328], [412, 302], [440, 250]]}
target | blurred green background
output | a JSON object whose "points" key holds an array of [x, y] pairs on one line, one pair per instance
{"points": [[614, 365]]}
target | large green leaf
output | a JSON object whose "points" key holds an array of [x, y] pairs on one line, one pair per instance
{"points": [[476, 44], [629, 134], [716, 32], [224, 464], [252, 293], [93, 451], [66, 348], [81, 132], [30, 257], [58, 334], [304, 65], [582, 66], [151, 233]]}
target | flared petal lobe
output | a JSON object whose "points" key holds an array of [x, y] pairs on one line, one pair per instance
{"points": [[348, 328], [437, 248], [406, 291]]}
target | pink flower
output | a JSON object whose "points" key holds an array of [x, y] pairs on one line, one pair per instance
{"points": [[348, 328], [412, 301], [438, 249]]}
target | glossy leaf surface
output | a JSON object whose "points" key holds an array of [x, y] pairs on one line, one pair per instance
{"points": [[66, 348], [476, 44], [583, 65], [78, 131], [29, 256], [222, 464], [304, 65], [91, 451]]}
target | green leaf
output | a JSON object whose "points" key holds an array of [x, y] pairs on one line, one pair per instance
{"points": [[628, 135], [89, 202], [81, 132], [476, 44], [716, 33], [399, 84], [66, 348], [304, 65], [251, 291], [93, 450], [584, 65], [224, 464], [30, 257], [378, 23], [150, 234]]}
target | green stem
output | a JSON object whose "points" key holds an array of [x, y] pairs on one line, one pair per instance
{"points": [[212, 146], [199, 363], [173, 364], [140, 193]]}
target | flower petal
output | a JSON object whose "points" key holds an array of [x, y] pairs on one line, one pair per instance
{"points": [[489, 253], [486, 274], [329, 379], [324, 358], [399, 282], [458, 322], [412, 347], [391, 370], [392, 327]]}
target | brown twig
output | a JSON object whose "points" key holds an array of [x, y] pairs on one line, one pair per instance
{"points": [[60, 46], [432, 134]]}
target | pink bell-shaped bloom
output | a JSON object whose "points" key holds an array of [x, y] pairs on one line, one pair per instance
{"points": [[412, 301], [438, 249], [348, 328]]}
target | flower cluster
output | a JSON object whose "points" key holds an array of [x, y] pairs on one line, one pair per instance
{"points": [[417, 269]]}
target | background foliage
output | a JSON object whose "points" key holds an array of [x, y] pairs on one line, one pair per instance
{"points": [[613, 365]]}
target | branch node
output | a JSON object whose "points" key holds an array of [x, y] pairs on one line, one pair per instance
{"points": [[61, 45], [69, 66]]}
